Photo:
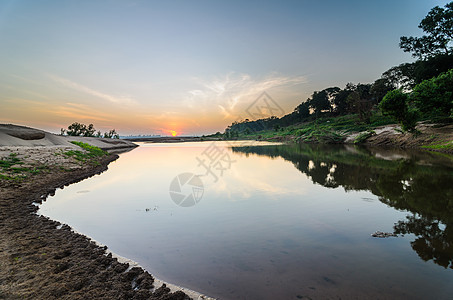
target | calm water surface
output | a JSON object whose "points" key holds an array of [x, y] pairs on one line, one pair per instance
{"points": [[281, 222]]}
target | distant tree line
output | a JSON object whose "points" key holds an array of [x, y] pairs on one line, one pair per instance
{"points": [[79, 129], [410, 91]]}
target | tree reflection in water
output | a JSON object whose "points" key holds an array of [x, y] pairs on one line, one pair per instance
{"points": [[414, 181]]}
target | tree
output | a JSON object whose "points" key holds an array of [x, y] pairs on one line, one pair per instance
{"points": [[400, 77], [75, 129], [89, 131], [112, 134], [379, 89], [359, 101], [319, 102], [78, 129], [406, 76], [302, 111], [322, 101], [340, 100], [438, 26], [434, 97], [395, 104]]}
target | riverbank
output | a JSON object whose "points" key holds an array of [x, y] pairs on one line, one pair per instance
{"points": [[43, 259], [380, 131]]}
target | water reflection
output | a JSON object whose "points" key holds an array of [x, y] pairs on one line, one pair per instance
{"points": [[267, 230], [418, 182]]}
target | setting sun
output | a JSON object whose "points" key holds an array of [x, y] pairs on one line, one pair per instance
{"points": [[173, 133]]}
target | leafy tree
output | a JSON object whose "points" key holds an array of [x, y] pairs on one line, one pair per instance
{"points": [[432, 67], [75, 129], [322, 101], [319, 102], [359, 101], [340, 100], [395, 104], [400, 77], [302, 111], [111, 134], [78, 129], [379, 89], [89, 130], [434, 97], [438, 26], [406, 76]]}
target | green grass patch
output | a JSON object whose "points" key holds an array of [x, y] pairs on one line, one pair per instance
{"points": [[362, 137], [12, 177], [90, 153], [323, 130], [10, 161], [444, 145], [322, 135], [13, 169]]}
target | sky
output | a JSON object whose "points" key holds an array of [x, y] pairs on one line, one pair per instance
{"points": [[193, 67]]}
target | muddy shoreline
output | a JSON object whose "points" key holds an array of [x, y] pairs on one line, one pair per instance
{"points": [[43, 259], [392, 137]]}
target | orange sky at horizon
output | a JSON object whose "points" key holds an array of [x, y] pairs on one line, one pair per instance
{"points": [[202, 110], [159, 67]]}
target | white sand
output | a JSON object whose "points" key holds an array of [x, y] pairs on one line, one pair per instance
{"points": [[14, 135]]}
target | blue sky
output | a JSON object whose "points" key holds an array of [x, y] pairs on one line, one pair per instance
{"points": [[190, 66]]}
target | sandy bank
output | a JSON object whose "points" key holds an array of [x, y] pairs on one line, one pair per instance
{"points": [[43, 259], [14, 135]]}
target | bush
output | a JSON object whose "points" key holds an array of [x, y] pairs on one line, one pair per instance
{"points": [[434, 97], [395, 104]]}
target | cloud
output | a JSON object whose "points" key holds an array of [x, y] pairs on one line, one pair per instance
{"points": [[81, 88], [234, 89], [76, 111]]}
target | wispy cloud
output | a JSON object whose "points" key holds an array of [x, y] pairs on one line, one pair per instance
{"points": [[81, 88], [234, 89], [76, 111]]}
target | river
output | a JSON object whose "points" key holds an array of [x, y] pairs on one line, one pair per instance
{"points": [[249, 220]]}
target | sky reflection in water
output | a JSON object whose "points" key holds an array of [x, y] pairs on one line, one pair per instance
{"points": [[285, 221]]}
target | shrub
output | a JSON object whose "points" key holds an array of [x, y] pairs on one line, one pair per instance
{"points": [[395, 104], [434, 97]]}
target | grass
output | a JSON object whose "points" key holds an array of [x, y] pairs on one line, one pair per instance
{"points": [[11, 165], [362, 137], [324, 130], [89, 154], [443, 145], [12, 168], [10, 161]]}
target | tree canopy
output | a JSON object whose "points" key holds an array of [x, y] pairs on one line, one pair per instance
{"points": [[406, 92], [438, 29], [79, 129]]}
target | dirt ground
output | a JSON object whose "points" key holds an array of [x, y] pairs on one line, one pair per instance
{"points": [[427, 134], [41, 259]]}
